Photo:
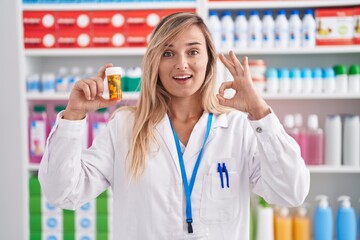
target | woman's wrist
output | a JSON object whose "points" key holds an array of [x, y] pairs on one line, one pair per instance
{"points": [[71, 115], [259, 113]]}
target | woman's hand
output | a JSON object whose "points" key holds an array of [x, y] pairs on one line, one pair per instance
{"points": [[86, 96], [246, 98]]}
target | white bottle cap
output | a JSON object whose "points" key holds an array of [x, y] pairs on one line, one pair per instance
{"points": [[298, 120], [302, 211], [63, 70], [75, 71], [83, 21], [313, 122], [284, 212], [113, 71], [289, 121], [323, 201], [117, 20], [345, 201]]}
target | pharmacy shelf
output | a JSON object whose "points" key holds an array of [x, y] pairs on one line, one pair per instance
{"points": [[333, 169], [71, 52], [65, 96], [110, 6], [292, 96], [280, 4]]}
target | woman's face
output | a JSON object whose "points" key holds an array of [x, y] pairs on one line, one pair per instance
{"points": [[183, 63]]}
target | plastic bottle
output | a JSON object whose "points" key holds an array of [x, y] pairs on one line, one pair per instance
{"points": [[254, 32], [317, 80], [308, 29], [302, 133], [289, 125], [272, 81], [281, 30], [333, 140], [351, 141], [133, 79], [354, 78], [99, 120], [265, 221], [295, 81], [341, 78], [329, 84], [284, 81], [38, 132], [307, 82], [75, 75], [227, 31], [323, 220], [295, 26], [345, 220], [314, 154], [268, 30], [283, 225], [62, 80], [33, 83], [241, 30], [214, 25], [301, 224], [48, 82]]}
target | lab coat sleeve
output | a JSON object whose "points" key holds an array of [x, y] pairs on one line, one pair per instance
{"points": [[276, 169], [71, 175]]}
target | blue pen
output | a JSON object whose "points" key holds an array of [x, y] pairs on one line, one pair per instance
{"points": [[226, 175], [220, 170]]}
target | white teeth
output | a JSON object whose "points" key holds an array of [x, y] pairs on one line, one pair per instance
{"points": [[182, 77]]}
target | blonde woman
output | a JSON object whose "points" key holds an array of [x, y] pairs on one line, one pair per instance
{"points": [[182, 163]]}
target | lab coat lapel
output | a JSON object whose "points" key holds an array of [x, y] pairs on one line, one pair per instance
{"points": [[165, 132]]}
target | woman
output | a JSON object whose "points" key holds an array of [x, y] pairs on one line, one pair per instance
{"points": [[181, 163]]}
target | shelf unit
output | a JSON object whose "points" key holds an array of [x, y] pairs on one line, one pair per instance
{"points": [[332, 181]]}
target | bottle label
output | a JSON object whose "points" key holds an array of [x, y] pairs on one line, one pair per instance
{"points": [[37, 137]]}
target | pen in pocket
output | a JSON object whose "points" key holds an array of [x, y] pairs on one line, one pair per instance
{"points": [[222, 169]]}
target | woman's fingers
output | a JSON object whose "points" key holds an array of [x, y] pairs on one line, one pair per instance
{"points": [[237, 65], [101, 72], [224, 86], [229, 65]]}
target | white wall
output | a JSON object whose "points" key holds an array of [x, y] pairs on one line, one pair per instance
{"points": [[13, 198]]}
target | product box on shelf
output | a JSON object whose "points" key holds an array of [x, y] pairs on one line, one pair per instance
{"points": [[108, 39], [108, 21], [335, 26], [39, 39], [73, 39], [74, 21], [39, 21], [357, 25]]}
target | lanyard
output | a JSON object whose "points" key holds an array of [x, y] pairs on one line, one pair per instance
{"points": [[189, 187]]}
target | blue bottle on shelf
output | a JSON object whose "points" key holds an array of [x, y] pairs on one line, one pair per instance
{"points": [[345, 220], [323, 220]]}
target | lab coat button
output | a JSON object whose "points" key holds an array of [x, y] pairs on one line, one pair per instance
{"points": [[259, 129]]}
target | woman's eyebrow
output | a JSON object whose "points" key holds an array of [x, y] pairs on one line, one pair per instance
{"points": [[187, 44]]}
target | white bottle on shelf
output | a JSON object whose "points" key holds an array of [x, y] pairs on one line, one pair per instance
{"points": [[241, 30], [227, 31], [268, 30], [329, 84], [308, 29], [281, 30], [307, 82], [62, 80], [333, 140], [284, 81], [254, 32], [295, 81], [214, 25], [354, 78], [295, 26], [351, 141], [272, 81], [317, 80]]}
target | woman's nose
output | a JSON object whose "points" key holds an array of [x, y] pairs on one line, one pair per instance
{"points": [[181, 62]]}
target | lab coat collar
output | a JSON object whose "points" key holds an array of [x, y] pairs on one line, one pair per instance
{"points": [[196, 138]]}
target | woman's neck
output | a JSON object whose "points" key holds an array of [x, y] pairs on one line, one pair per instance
{"points": [[185, 110]]}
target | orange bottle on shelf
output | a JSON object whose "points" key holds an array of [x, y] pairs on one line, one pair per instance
{"points": [[283, 224], [301, 224]]}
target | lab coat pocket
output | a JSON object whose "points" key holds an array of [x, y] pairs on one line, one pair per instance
{"points": [[219, 204]]}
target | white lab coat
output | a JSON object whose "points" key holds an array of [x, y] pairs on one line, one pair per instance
{"points": [[259, 156]]}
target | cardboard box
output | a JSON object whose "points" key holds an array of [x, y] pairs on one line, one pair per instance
{"points": [[334, 26], [357, 25]]}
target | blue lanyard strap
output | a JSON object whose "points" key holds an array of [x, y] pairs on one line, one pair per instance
{"points": [[189, 187]]}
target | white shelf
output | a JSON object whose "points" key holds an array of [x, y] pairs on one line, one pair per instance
{"points": [[110, 6], [311, 96], [332, 169], [280, 4], [71, 52], [65, 96]]}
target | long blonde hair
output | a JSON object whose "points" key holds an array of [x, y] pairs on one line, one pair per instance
{"points": [[154, 100]]}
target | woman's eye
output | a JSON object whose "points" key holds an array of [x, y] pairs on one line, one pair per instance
{"points": [[168, 54], [194, 52]]}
